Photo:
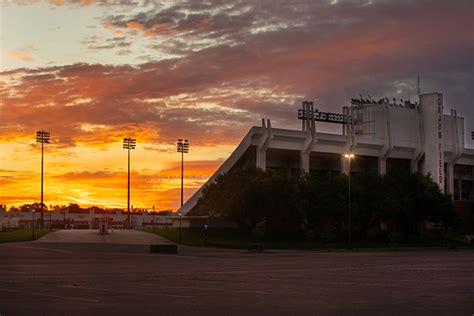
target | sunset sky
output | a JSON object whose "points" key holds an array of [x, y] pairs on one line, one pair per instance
{"points": [[93, 72]]}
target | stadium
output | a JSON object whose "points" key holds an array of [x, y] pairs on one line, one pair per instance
{"points": [[381, 136]]}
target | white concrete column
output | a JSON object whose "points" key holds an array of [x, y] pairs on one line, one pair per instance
{"points": [[460, 188], [304, 162], [344, 165], [262, 159], [310, 139], [414, 166], [432, 109], [382, 167], [267, 136], [450, 178]]}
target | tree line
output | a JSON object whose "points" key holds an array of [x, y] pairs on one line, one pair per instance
{"points": [[76, 208], [315, 207]]}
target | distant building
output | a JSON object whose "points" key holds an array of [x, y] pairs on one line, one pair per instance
{"points": [[84, 219], [383, 135]]}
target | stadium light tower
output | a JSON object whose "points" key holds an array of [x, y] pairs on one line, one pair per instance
{"points": [[349, 157], [183, 148], [43, 138], [129, 144]]}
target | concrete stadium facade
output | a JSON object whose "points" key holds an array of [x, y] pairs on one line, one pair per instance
{"points": [[382, 136]]}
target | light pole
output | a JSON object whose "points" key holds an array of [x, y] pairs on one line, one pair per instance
{"points": [[349, 157], [183, 148], [43, 138], [129, 144], [180, 215], [153, 218], [33, 226]]}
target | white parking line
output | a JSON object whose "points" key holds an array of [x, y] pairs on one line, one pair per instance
{"points": [[54, 296], [111, 291], [39, 248], [211, 289], [257, 271]]}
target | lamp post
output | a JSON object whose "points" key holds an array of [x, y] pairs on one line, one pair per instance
{"points": [[180, 215], [129, 144], [43, 138], [50, 216], [349, 157], [33, 225], [183, 148], [153, 218]]}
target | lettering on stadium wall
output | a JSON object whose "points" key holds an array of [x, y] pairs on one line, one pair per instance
{"points": [[440, 142]]}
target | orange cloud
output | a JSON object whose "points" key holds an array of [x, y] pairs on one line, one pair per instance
{"points": [[150, 34], [163, 29], [135, 26], [87, 2], [82, 2], [193, 169], [20, 55], [108, 25], [119, 33], [57, 2], [115, 31]]}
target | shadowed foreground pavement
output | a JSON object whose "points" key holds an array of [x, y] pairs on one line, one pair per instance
{"points": [[39, 278]]}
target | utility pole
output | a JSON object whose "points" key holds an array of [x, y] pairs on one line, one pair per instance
{"points": [[129, 144], [183, 148], [153, 218], [349, 157], [43, 138], [33, 225]]}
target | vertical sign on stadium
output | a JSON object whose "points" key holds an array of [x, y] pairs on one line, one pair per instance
{"points": [[440, 142]]}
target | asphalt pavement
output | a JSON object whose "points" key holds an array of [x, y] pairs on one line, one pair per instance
{"points": [[38, 278]]}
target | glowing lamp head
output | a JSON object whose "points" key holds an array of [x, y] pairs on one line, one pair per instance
{"points": [[349, 156]]}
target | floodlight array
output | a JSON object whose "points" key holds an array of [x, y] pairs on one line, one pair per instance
{"points": [[183, 146], [43, 137], [129, 143]]}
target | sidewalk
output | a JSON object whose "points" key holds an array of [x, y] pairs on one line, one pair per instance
{"points": [[92, 236]]}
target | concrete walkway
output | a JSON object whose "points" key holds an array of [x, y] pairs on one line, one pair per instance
{"points": [[92, 236]]}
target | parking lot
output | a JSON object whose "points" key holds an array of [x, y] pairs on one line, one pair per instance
{"points": [[37, 278]]}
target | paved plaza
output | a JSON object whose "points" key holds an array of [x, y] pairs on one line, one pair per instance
{"points": [[117, 236], [43, 278]]}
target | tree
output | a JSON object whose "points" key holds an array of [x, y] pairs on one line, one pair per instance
{"points": [[34, 206], [410, 199], [249, 195], [324, 206], [317, 205], [74, 208], [164, 212]]}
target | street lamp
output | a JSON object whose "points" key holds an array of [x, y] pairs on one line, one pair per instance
{"points": [[129, 144], [153, 218], [43, 138], [349, 157], [183, 148], [33, 225], [180, 215]]}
